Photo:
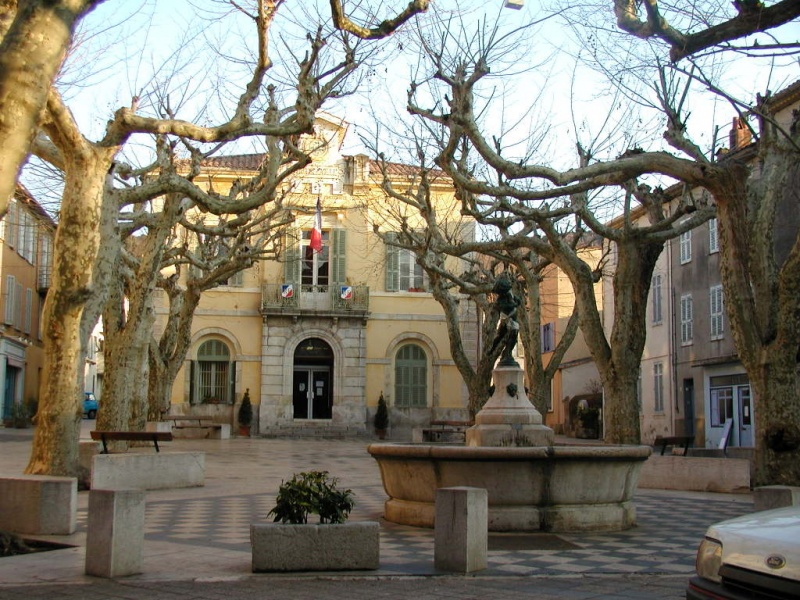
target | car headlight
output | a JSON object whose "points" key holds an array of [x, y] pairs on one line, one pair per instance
{"points": [[709, 560]]}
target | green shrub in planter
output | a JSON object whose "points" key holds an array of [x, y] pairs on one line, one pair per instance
{"points": [[381, 417], [245, 417], [311, 492]]}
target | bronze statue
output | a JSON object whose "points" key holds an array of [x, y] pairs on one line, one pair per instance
{"points": [[508, 328]]}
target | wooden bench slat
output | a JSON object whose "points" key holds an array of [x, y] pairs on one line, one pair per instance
{"points": [[131, 436], [675, 440]]}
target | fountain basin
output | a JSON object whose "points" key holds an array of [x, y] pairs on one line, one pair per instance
{"points": [[543, 488]]}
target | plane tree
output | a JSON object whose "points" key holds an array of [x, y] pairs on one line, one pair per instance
{"points": [[761, 292], [91, 205], [460, 266], [545, 204], [760, 277]]}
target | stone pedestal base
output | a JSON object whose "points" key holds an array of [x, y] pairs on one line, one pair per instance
{"points": [[509, 418], [115, 533]]}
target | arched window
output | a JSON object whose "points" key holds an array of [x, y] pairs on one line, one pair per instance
{"points": [[411, 377], [213, 377]]}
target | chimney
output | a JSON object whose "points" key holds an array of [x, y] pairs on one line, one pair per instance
{"points": [[740, 135]]}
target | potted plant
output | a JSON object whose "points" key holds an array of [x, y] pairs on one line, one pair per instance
{"points": [[20, 415], [291, 543], [381, 421], [245, 417], [589, 422]]}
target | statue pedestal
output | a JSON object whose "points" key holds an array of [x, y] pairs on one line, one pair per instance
{"points": [[508, 418]]}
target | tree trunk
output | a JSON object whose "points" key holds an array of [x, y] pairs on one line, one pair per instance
{"points": [[762, 299], [478, 377], [31, 53], [77, 241], [618, 357], [168, 354]]}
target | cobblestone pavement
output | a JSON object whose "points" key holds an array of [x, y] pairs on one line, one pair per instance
{"points": [[197, 539], [633, 587]]}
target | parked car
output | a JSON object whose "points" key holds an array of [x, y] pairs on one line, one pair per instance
{"points": [[90, 405], [750, 557]]}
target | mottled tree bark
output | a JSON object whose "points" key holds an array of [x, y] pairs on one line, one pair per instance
{"points": [[55, 445], [37, 35]]}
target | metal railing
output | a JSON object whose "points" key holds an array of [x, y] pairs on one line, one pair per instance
{"points": [[297, 299]]}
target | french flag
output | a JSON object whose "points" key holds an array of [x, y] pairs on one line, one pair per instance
{"points": [[316, 231]]}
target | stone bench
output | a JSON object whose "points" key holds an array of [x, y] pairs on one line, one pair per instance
{"points": [[775, 496], [676, 440], [699, 474], [152, 471], [39, 504], [209, 431]]}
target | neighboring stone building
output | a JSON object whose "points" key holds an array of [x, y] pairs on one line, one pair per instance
{"points": [[316, 337], [27, 232], [712, 385]]}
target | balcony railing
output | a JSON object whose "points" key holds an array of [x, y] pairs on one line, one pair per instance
{"points": [[277, 298], [43, 278]]}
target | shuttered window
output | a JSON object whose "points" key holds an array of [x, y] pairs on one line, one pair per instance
{"points": [[687, 319], [716, 313], [411, 377]]}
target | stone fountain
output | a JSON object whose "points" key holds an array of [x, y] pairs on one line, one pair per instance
{"points": [[532, 483]]}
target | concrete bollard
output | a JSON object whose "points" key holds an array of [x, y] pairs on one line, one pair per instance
{"points": [[461, 529], [115, 533], [39, 504], [775, 496]]}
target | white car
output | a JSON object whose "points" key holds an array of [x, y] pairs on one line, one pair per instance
{"points": [[755, 556]]}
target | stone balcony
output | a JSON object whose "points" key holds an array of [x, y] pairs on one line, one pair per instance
{"points": [[335, 300]]}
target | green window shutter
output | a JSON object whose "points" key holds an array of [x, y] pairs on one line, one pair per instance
{"points": [[339, 258], [291, 265], [411, 377], [192, 383], [392, 263], [232, 397]]}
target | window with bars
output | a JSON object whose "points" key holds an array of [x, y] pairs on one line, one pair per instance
{"points": [[713, 236], [658, 387], [655, 294], [411, 377], [687, 319], [213, 373], [716, 312], [686, 247]]}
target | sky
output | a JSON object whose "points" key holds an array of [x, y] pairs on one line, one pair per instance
{"points": [[542, 95]]}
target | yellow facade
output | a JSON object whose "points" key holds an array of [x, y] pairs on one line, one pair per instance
{"points": [[317, 337], [27, 237]]}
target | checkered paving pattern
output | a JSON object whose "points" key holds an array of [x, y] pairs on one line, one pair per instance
{"points": [[664, 542]]}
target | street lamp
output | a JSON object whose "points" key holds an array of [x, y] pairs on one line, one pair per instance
{"points": [[516, 4]]}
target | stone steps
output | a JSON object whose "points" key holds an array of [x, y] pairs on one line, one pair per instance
{"points": [[316, 430]]}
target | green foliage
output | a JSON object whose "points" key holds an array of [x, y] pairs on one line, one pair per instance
{"points": [[246, 411], [311, 492], [589, 416], [382, 414], [20, 415]]}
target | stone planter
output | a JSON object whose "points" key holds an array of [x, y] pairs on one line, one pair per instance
{"points": [[314, 547]]}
